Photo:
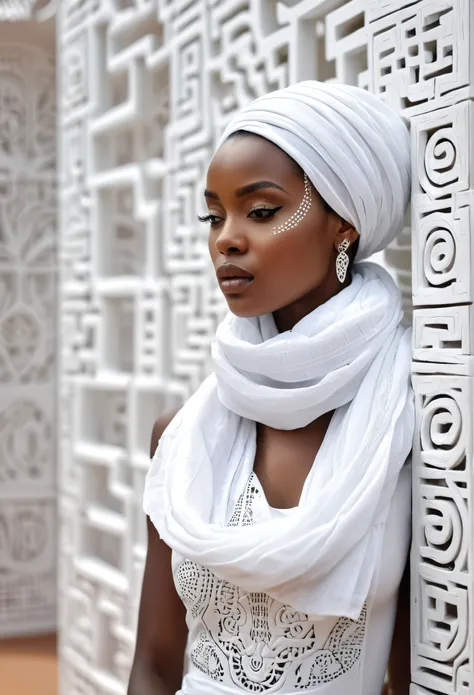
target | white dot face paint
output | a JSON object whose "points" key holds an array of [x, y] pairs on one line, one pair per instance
{"points": [[300, 213]]}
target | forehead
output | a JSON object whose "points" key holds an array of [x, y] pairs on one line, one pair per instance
{"points": [[251, 156]]}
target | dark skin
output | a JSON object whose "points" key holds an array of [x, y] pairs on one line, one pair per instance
{"points": [[161, 636], [292, 274]]}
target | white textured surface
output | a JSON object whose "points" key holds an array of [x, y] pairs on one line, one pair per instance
{"points": [[443, 196], [139, 307], [24, 10], [15, 10], [27, 339]]}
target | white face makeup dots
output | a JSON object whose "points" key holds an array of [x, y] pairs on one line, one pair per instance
{"points": [[300, 214]]}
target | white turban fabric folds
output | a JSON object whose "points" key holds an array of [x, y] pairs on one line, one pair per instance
{"points": [[352, 146]]}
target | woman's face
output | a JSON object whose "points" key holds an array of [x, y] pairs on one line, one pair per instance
{"points": [[273, 247]]}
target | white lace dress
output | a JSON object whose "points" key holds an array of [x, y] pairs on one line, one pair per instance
{"points": [[250, 643]]}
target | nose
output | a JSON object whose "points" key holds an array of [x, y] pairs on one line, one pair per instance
{"points": [[231, 240]]}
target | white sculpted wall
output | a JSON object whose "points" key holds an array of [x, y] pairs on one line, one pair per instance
{"points": [[28, 289], [139, 306], [15, 10]]}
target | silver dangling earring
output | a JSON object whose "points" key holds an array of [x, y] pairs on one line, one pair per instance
{"points": [[342, 260]]}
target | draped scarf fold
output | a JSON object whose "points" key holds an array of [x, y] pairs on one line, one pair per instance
{"points": [[350, 355]]}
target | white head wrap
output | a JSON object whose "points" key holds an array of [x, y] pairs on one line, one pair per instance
{"points": [[353, 147]]}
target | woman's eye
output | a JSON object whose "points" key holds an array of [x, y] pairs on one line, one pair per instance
{"points": [[213, 220], [263, 213]]}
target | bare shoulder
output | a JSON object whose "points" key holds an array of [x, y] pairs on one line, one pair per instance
{"points": [[159, 427]]}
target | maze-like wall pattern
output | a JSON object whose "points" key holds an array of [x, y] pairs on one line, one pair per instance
{"points": [[442, 218], [146, 86], [28, 386]]}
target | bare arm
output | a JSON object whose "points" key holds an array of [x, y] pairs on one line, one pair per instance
{"points": [[399, 662], [161, 636]]}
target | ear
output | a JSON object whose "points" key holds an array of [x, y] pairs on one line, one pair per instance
{"points": [[345, 231]]}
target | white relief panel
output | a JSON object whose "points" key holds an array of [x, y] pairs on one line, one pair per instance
{"points": [[28, 290], [442, 257], [442, 140], [421, 54], [444, 336], [442, 552], [146, 88], [442, 205]]}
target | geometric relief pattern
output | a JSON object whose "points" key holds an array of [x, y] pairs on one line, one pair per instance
{"points": [[443, 198], [146, 88], [443, 335], [420, 55], [442, 581], [433, 84], [28, 291]]}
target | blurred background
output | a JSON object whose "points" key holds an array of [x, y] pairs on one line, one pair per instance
{"points": [[109, 114]]}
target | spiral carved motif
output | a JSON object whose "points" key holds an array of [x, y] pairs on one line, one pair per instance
{"points": [[441, 433], [442, 163], [442, 527], [439, 258]]}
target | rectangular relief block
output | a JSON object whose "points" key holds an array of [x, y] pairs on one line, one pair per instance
{"points": [[441, 251], [419, 56], [442, 618], [442, 203], [441, 143], [28, 537], [443, 340], [27, 441]]}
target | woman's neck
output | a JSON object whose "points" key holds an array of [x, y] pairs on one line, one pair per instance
{"points": [[288, 316]]}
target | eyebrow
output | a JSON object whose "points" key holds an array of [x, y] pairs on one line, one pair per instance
{"points": [[246, 190]]}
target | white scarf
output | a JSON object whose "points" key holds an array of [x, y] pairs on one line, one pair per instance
{"points": [[350, 355]]}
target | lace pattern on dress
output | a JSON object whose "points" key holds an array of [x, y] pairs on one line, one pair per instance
{"points": [[253, 642]]}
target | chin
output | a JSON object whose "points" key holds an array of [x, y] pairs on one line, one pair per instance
{"points": [[243, 310], [246, 314]]}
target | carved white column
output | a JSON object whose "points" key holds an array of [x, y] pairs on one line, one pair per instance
{"points": [[28, 267], [422, 55]]}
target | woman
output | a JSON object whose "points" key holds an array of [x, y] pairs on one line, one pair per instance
{"points": [[278, 500]]}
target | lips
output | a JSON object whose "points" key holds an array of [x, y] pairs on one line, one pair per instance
{"points": [[233, 279]]}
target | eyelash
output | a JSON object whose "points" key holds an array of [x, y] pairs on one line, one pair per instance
{"points": [[211, 219]]}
